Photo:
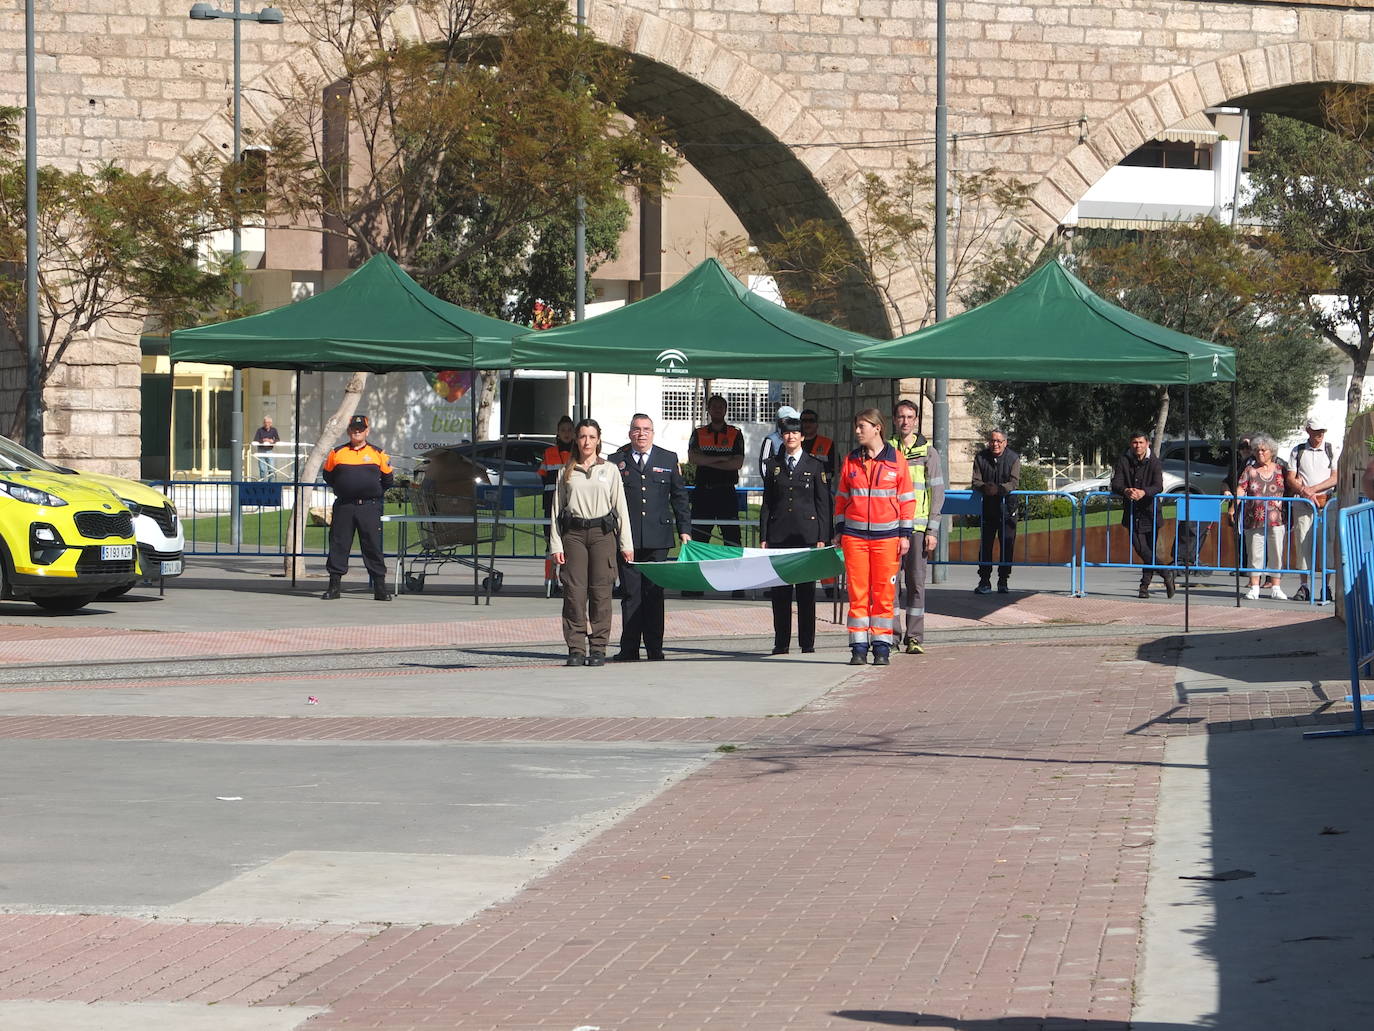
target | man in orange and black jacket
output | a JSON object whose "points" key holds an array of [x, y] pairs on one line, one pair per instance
{"points": [[555, 457], [360, 475], [717, 451]]}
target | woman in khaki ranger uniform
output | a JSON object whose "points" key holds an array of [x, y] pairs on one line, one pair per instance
{"points": [[590, 518]]}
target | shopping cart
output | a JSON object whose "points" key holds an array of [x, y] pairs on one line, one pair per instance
{"points": [[461, 521]]}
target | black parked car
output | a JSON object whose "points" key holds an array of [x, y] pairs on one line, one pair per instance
{"points": [[520, 466]]}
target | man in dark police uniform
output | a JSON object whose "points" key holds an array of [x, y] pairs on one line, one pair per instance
{"points": [[657, 500], [360, 475]]}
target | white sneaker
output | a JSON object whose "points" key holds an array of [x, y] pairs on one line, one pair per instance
{"points": [[1276, 592], [1253, 593]]}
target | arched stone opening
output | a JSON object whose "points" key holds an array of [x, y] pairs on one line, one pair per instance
{"points": [[765, 182], [1285, 78]]}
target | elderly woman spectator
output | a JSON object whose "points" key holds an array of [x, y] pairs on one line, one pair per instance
{"points": [[1263, 517]]}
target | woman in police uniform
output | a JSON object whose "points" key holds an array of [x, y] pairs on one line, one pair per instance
{"points": [[795, 514]]}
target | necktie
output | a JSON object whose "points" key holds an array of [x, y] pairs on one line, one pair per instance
{"points": [[791, 464], [639, 458]]}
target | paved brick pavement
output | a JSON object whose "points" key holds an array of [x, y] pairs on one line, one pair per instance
{"points": [[959, 838], [963, 836], [40, 643]]}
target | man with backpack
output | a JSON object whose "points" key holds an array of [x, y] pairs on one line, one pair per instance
{"points": [[1311, 475]]}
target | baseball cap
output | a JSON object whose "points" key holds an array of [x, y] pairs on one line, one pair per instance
{"points": [[788, 412], [1316, 425], [358, 422]]}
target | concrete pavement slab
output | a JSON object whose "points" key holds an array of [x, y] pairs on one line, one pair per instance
{"points": [[136, 827], [1283, 937], [710, 680], [149, 1016], [377, 887]]}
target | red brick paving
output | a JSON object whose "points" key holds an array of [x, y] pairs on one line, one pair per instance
{"points": [[971, 842], [39, 644], [118, 959], [964, 836]]}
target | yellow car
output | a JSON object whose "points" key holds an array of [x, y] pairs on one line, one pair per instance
{"points": [[62, 542], [157, 529]]}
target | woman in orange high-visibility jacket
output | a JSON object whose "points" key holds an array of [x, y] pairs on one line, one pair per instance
{"points": [[875, 506]]}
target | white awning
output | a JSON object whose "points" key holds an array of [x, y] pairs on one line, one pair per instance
{"points": [[1196, 128]]}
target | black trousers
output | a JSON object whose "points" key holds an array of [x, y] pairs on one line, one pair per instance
{"points": [[711, 503], [641, 604], [781, 598], [365, 519], [996, 524], [1189, 541], [1143, 535]]}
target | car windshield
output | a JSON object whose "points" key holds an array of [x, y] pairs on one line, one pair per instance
{"points": [[14, 456]]}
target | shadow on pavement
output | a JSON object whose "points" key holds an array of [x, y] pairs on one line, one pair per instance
{"points": [[902, 1018], [789, 758], [1258, 912], [1303, 654]]}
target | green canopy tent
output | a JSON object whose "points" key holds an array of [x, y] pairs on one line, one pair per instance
{"points": [[706, 325], [377, 320], [1053, 329]]}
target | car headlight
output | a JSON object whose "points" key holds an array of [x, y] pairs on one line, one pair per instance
{"points": [[31, 495], [133, 507]]}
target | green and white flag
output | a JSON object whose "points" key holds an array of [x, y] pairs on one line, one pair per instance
{"points": [[717, 567]]}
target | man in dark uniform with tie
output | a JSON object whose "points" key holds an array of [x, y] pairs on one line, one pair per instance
{"points": [[796, 513], [657, 500]]}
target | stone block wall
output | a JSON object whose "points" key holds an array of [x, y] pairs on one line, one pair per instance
{"points": [[822, 90]]}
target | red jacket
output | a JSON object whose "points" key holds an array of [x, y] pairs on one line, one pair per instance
{"points": [[874, 497]]}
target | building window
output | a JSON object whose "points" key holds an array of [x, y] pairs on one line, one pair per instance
{"points": [[1168, 154], [746, 400], [681, 400]]}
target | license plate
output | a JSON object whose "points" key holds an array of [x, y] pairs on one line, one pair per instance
{"points": [[116, 552], [172, 568]]}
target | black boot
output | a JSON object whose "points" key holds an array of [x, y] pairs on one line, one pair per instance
{"points": [[332, 592], [379, 591]]}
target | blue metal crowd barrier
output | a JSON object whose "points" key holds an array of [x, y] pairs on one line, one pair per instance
{"points": [[1195, 518], [1034, 508], [206, 511], [1356, 527], [1193, 543]]}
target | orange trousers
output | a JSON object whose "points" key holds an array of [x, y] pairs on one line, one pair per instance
{"points": [[871, 567]]}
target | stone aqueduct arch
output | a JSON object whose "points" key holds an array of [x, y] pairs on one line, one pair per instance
{"points": [[814, 87]]}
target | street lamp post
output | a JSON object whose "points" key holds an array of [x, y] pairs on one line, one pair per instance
{"points": [[267, 16], [939, 427], [33, 410]]}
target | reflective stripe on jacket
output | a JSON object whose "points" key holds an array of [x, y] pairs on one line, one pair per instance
{"points": [[874, 497], [930, 489], [555, 457]]}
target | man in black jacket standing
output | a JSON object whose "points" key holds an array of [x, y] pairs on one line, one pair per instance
{"points": [[796, 513], [1138, 479], [996, 473], [657, 500]]}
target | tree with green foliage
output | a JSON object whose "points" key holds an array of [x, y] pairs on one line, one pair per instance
{"points": [[891, 232], [531, 266], [496, 122], [113, 245], [1313, 190], [493, 123], [1200, 279]]}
